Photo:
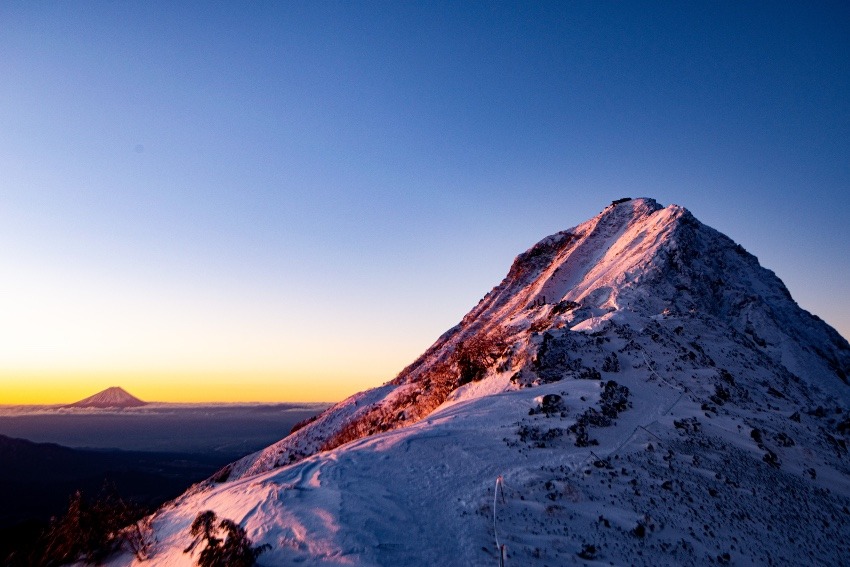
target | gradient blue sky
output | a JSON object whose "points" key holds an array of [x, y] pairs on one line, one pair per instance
{"points": [[285, 200]]}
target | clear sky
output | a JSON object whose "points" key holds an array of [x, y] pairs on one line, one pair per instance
{"points": [[290, 201]]}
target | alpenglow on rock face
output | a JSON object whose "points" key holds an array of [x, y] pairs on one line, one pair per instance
{"points": [[637, 390]]}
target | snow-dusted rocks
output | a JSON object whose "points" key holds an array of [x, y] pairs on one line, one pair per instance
{"points": [[645, 391]]}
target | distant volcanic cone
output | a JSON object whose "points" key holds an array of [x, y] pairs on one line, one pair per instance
{"points": [[113, 397]]}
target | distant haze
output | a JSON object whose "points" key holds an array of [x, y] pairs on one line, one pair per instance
{"points": [[230, 430]]}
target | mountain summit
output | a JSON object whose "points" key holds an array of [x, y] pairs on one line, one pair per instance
{"points": [[113, 397], [637, 390]]}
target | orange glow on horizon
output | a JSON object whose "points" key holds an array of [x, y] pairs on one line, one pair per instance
{"points": [[45, 388]]}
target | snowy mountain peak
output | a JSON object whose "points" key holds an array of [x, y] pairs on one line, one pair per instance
{"points": [[637, 390], [635, 263], [113, 397]]}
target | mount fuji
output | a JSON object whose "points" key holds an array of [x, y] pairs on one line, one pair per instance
{"points": [[111, 398], [638, 390]]}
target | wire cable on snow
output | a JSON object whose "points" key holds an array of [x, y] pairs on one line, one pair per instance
{"points": [[501, 547], [657, 375], [495, 495]]}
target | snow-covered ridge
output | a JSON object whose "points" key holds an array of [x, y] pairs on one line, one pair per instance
{"points": [[635, 256], [528, 274], [637, 390]]}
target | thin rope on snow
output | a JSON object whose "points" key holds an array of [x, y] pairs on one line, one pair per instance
{"points": [[495, 495], [501, 547]]}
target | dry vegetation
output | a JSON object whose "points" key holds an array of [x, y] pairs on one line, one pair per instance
{"points": [[470, 361]]}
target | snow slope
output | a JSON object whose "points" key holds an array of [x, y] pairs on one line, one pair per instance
{"points": [[638, 390]]}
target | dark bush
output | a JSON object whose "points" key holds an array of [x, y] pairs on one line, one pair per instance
{"points": [[721, 395], [303, 423], [226, 543], [588, 551], [537, 437], [222, 474], [771, 459], [475, 355], [550, 404], [775, 393], [89, 531], [587, 373], [784, 440], [611, 363], [564, 306], [818, 412], [688, 425], [614, 399]]}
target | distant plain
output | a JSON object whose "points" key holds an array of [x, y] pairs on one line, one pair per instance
{"points": [[228, 430]]}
